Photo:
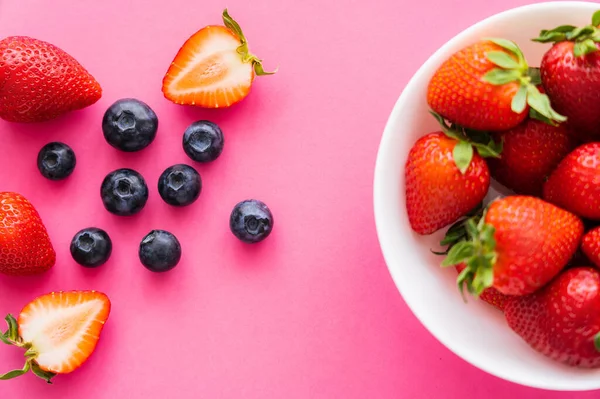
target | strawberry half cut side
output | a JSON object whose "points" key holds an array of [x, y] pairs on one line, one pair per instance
{"points": [[59, 332], [214, 68]]}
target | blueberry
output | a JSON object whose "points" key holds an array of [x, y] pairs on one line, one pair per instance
{"points": [[179, 185], [251, 221], [129, 125], [124, 192], [56, 161], [160, 251], [91, 247], [203, 141]]}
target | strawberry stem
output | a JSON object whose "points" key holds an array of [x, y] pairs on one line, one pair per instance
{"points": [[244, 49]]}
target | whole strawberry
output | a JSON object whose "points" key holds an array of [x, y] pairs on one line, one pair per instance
{"points": [[530, 152], [487, 86], [445, 179], [590, 245], [574, 184], [519, 245], [562, 320], [39, 81], [570, 72], [25, 248]]}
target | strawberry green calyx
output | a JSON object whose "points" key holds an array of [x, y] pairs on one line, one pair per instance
{"points": [[597, 341], [243, 49], [585, 37], [468, 140], [512, 67], [478, 253], [11, 337]]}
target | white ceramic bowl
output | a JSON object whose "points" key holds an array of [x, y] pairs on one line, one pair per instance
{"points": [[475, 331]]}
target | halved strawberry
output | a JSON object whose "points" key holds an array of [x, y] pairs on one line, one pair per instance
{"points": [[214, 68], [59, 330]]}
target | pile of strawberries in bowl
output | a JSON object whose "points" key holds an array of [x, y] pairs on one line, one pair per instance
{"points": [[502, 190]]}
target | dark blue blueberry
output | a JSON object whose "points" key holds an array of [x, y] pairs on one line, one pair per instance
{"points": [[160, 251], [91, 247], [129, 125], [124, 192], [56, 161], [179, 185], [203, 141], [251, 221]]}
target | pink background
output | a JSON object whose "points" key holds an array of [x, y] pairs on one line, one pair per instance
{"points": [[310, 313]]}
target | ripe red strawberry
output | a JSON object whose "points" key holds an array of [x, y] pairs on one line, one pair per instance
{"points": [[562, 320], [530, 152], [445, 179], [574, 184], [25, 248], [520, 244], [486, 86], [214, 68], [590, 245], [39, 81], [59, 330], [489, 295], [570, 72]]}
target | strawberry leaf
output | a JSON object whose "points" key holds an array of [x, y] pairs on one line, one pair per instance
{"points": [[502, 59], [596, 18], [4, 338], [499, 76], [459, 253], [45, 375], [510, 46], [533, 114], [541, 103], [585, 47], [16, 373], [13, 328], [597, 341], [519, 101], [535, 75], [462, 154]]}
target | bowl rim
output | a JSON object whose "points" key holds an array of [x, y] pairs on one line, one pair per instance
{"points": [[383, 224]]}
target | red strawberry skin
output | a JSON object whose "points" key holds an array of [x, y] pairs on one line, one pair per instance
{"points": [[25, 247], [39, 81], [534, 241], [574, 184], [437, 194], [562, 319], [489, 295], [573, 85], [590, 245], [531, 151], [458, 92]]}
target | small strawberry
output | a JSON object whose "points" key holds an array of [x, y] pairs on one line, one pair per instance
{"points": [[590, 245], [214, 68], [25, 248], [487, 86], [530, 152], [570, 72], [39, 81], [445, 178], [59, 332], [519, 245], [574, 184], [562, 320], [489, 295]]}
